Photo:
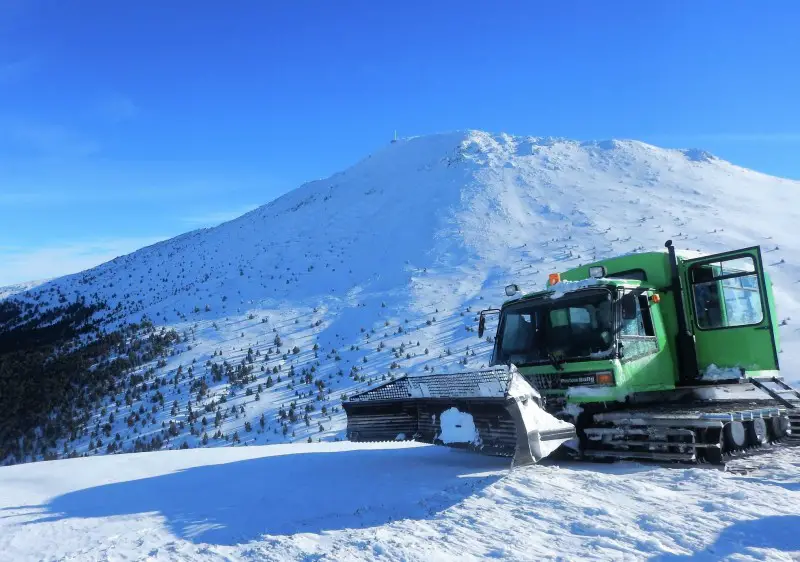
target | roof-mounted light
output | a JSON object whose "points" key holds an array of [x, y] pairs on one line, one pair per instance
{"points": [[512, 290], [554, 278]]}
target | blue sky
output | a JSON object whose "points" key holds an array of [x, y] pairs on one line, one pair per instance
{"points": [[122, 123]]}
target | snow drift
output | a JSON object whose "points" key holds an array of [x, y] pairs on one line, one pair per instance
{"points": [[392, 501]]}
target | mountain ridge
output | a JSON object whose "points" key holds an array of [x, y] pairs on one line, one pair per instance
{"points": [[386, 260]]}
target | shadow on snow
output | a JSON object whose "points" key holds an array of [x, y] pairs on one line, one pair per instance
{"points": [[238, 502], [778, 532]]}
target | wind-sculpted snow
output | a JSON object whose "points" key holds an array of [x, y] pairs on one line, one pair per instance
{"points": [[391, 501]]}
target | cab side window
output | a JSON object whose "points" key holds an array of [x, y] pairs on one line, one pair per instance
{"points": [[642, 325], [647, 318], [726, 293], [633, 326], [636, 333]]}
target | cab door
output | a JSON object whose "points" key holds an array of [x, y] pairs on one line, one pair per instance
{"points": [[731, 308]]}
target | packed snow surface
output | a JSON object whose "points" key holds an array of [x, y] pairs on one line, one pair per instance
{"points": [[391, 501], [457, 427], [715, 373]]}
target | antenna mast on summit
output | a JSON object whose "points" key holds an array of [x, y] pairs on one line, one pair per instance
{"points": [[395, 136]]}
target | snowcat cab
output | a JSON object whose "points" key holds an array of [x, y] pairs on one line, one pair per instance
{"points": [[652, 355]]}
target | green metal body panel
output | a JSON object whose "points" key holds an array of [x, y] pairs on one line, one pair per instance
{"points": [[650, 373], [656, 371], [654, 264], [773, 313], [598, 394], [753, 347]]}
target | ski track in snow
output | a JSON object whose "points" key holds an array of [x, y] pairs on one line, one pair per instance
{"points": [[391, 501]]}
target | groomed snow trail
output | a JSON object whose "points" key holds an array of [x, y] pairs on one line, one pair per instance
{"points": [[391, 501]]}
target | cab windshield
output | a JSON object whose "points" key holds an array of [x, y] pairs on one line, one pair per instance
{"points": [[548, 330]]}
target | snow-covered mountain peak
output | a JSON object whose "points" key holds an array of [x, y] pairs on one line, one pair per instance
{"points": [[383, 265], [431, 217]]}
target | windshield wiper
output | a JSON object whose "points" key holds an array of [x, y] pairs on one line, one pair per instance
{"points": [[555, 362]]}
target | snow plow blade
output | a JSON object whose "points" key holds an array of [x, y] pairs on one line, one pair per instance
{"points": [[494, 412]]}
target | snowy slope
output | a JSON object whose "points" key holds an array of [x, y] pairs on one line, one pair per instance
{"points": [[394, 256], [10, 290], [403, 501]]}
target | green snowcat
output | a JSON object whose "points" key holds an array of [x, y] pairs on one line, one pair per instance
{"points": [[660, 356]]}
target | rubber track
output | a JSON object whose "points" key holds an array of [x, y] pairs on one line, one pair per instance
{"points": [[656, 434]]}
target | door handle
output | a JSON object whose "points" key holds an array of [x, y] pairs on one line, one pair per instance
{"points": [[764, 328]]}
